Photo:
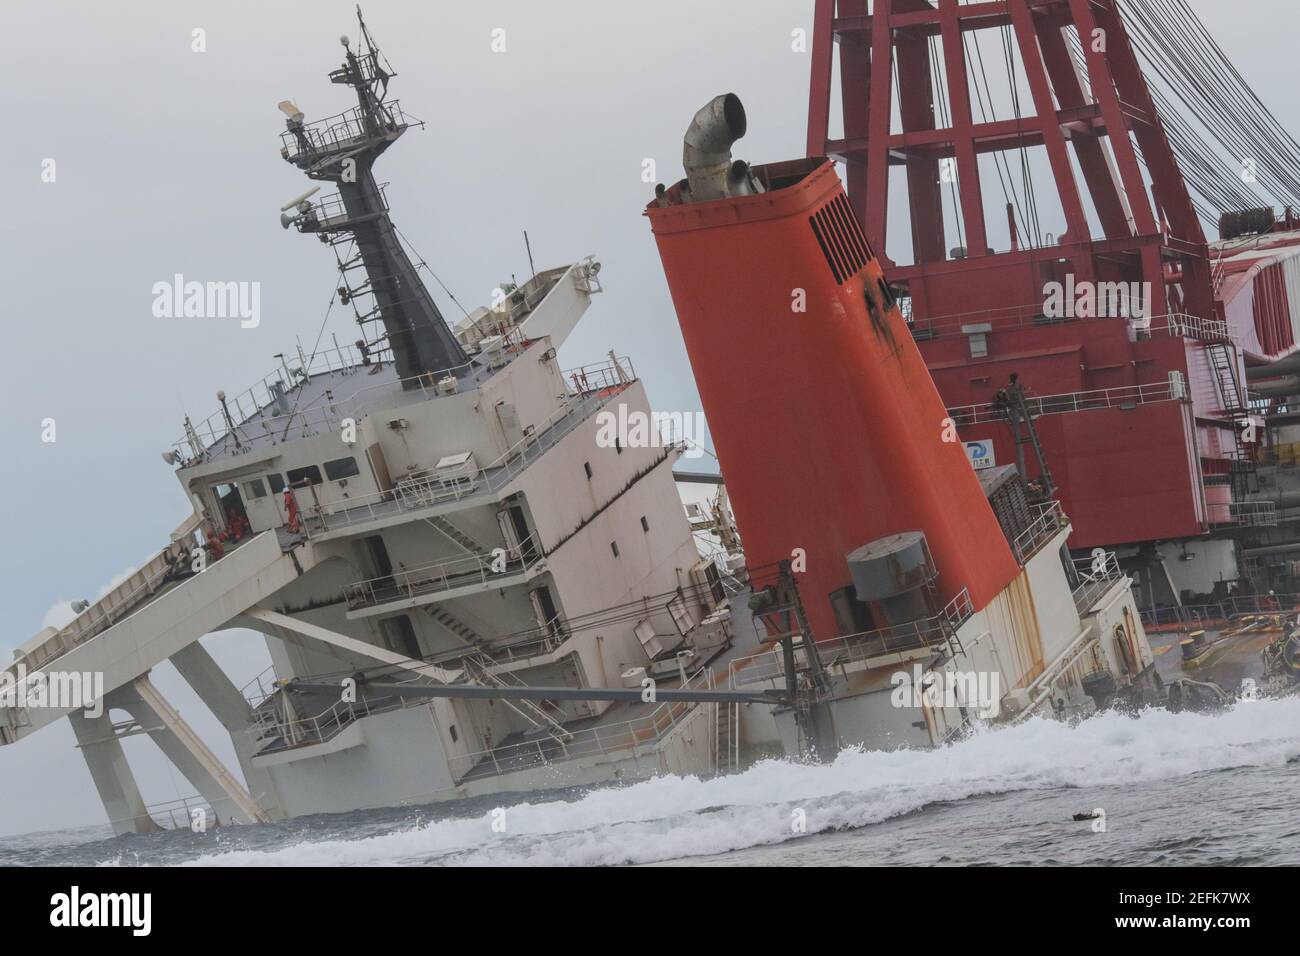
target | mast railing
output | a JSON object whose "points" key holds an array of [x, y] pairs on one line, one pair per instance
{"points": [[340, 131]]}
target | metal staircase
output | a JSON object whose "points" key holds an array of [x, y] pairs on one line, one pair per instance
{"points": [[455, 625], [477, 670], [458, 537]]}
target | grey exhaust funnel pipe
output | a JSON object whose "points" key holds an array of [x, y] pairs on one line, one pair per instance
{"points": [[706, 152], [1287, 365], [1276, 387]]}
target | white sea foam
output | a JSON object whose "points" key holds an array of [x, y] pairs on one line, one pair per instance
{"points": [[673, 817]]}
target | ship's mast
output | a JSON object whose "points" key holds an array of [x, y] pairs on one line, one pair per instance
{"points": [[398, 317]]}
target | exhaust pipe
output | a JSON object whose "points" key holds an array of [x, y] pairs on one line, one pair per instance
{"points": [[706, 152], [1276, 387], [1287, 365]]}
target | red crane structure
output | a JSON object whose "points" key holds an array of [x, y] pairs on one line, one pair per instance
{"points": [[1138, 392]]}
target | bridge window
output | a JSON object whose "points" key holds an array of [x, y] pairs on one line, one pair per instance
{"points": [[255, 488], [276, 482], [308, 473], [341, 468]]}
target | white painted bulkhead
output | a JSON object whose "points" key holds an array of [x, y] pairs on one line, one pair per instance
{"points": [[580, 502]]}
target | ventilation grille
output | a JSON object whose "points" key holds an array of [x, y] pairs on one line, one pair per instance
{"points": [[843, 243]]}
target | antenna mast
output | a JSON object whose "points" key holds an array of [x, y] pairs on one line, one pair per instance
{"points": [[398, 317]]}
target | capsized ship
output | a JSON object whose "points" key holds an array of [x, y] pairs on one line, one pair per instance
{"points": [[429, 506]]}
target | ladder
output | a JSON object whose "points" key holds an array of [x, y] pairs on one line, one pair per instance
{"points": [[1222, 359], [1223, 368], [953, 640], [726, 757], [476, 669]]}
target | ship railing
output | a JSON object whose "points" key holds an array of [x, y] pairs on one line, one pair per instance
{"points": [[600, 740], [769, 665], [180, 813], [539, 642], [1008, 318], [253, 403], [412, 583], [1193, 327], [1125, 396], [341, 130], [1042, 529], [260, 404], [429, 491], [271, 729], [331, 212], [600, 376], [959, 610], [261, 688], [1011, 316], [1096, 575], [324, 412], [1220, 612], [525, 646], [1248, 514], [112, 607], [269, 724]]}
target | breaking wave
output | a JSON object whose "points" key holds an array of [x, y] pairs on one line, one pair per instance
{"points": [[675, 817]]}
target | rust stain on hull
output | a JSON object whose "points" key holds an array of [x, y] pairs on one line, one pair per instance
{"points": [[1021, 620]]}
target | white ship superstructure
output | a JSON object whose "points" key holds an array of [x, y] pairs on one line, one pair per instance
{"points": [[380, 509]]}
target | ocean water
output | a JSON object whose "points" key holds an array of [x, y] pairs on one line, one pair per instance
{"points": [[1183, 789]]}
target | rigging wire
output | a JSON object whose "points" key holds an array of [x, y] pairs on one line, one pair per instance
{"points": [[421, 264], [954, 184], [982, 89], [1026, 173], [1189, 64], [306, 371]]}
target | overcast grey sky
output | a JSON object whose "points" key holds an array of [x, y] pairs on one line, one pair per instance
{"points": [[168, 161]]}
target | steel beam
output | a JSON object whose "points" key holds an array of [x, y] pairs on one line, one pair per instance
{"points": [[627, 694]]}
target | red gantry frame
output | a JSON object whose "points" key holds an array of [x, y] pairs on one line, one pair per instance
{"points": [[1165, 463]]}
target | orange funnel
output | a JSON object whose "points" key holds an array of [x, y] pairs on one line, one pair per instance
{"points": [[829, 429]]}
